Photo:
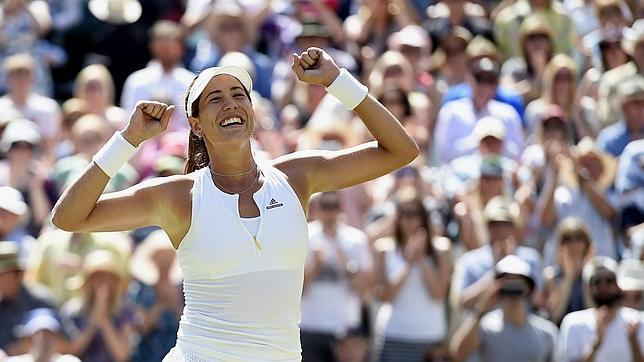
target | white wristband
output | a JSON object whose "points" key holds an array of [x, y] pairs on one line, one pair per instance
{"points": [[111, 157], [347, 89]]}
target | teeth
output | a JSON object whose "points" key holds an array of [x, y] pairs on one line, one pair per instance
{"points": [[231, 121]]}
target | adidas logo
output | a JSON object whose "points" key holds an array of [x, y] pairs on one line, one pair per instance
{"points": [[273, 204]]}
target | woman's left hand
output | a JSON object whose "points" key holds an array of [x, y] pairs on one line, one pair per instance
{"points": [[315, 66]]}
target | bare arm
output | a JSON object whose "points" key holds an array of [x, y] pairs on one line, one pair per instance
{"points": [[558, 295], [333, 170], [117, 341], [83, 208], [437, 278], [386, 290], [598, 200], [466, 338]]}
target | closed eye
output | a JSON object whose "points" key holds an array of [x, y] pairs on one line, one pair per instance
{"points": [[239, 95]]}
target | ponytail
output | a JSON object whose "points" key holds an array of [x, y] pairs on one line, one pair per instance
{"points": [[197, 153]]}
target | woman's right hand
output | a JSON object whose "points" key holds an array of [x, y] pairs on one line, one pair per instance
{"points": [[148, 120]]}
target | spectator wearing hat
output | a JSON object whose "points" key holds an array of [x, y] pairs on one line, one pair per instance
{"points": [[231, 31], [58, 256], [457, 119], [511, 332], [563, 286], [443, 15], [413, 42], [608, 331], [22, 98], [94, 85], [559, 88], [508, 22], [524, 73], [450, 59], [481, 47], [630, 279], [16, 298], [583, 190], [99, 324], [473, 274], [608, 52], [42, 334], [629, 184], [156, 291], [609, 105], [614, 138], [336, 279], [488, 136], [613, 16], [13, 216], [164, 78]]}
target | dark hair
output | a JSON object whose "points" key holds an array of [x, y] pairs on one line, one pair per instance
{"points": [[397, 89], [417, 203], [197, 151]]}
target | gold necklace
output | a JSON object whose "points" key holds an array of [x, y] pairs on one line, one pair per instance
{"points": [[233, 174], [240, 192]]}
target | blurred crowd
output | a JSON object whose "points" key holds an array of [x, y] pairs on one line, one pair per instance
{"points": [[516, 235]]}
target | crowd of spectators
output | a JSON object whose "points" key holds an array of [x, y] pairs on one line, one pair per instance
{"points": [[516, 235]]}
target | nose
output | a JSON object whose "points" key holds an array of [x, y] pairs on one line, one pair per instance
{"points": [[230, 104]]}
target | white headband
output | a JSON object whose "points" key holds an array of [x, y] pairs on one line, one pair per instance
{"points": [[207, 74]]}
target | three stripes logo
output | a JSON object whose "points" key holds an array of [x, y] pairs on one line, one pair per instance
{"points": [[273, 204]]}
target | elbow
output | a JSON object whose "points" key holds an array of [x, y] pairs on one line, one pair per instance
{"points": [[62, 222], [409, 153]]}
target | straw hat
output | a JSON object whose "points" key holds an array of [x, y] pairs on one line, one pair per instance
{"points": [[142, 266], [97, 261], [588, 147], [116, 11]]}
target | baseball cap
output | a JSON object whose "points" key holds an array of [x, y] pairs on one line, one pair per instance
{"points": [[18, 61], [489, 127], [410, 35], [12, 201], [484, 65], [37, 320], [501, 209], [630, 275], [20, 130], [9, 257], [207, 74], [632, 89]]}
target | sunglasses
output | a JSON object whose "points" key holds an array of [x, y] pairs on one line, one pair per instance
{"points": [[22, 145], [573, 236], [610, 45], [329, 206], [563, 77], [538, 36], [486, 78]]}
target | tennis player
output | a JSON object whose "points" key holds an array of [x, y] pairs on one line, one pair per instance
{"points": [[238, 224]]}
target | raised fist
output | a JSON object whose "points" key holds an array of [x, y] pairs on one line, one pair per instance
{"points": [[315, 66], [148, 120]]}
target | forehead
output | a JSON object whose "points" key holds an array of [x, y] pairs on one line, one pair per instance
{"points": [[222, 82]]}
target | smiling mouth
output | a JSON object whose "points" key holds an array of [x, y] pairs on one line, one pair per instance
{"points": [[232, 122]]}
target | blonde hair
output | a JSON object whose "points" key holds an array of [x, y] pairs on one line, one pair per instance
{"points": [[95, 72], [388, 60], [558, 63]]}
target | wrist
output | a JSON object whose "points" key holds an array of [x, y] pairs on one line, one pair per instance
{"points": [[347, 89], [111, 157], [131, 140], [332, 78]]}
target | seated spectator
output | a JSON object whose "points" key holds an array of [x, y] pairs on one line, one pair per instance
{"points": [[457, 119], [608, 106], [524, 73], [614, 138], [608, 331], [563, 286], [13, 213], [413, 269], [16, 298], [95, 86], [480, 47], [511, 332], [100, 326], [164, 78], [43, 337], [473, 274], [336, 280], [24, 170], [581, 186], [630, 279], [22, 99], [156, 291]]}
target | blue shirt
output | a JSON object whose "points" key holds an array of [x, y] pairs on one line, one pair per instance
{"points": [[614, 138], [504, 95]]}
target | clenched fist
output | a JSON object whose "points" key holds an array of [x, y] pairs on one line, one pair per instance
{"points": [[148, 120], [315, 66]]}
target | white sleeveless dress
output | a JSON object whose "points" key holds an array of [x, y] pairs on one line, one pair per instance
{"points": [[242, 294]]}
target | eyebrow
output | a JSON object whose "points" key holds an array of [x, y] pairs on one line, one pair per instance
{"points": [[234, 88]]}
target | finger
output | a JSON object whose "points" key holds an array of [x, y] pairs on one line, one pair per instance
{"points": [[296, 67], [308, 60], [314, 53], [159, 109], [165, 118]]}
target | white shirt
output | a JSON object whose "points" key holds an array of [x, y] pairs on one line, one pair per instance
{"points": [[153, 83], [42, 110], [579, 330], [329, 304], [242, 292], [456, 121]]}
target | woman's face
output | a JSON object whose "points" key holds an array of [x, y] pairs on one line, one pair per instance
{"points": [[576, 244], [537, 43], [562, 87], [410, 218], [94, 92], [613, 54], [225, 111], [392, 101]]}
